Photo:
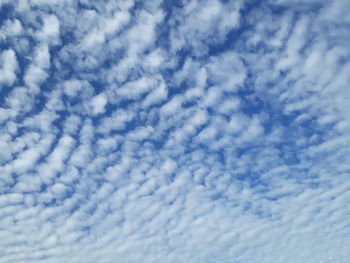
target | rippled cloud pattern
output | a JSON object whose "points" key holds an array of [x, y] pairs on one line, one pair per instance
{"points": [[212, 131]]}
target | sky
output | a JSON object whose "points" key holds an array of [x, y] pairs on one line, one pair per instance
{"points": [[211, 131]]}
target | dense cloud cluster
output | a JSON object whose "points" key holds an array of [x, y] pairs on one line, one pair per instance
{"points": [[174, 131]]}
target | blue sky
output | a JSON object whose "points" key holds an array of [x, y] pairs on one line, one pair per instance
{"points": [[174, 131]]}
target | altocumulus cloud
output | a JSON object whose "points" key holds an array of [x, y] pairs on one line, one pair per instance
{"points": [[174, 131]]}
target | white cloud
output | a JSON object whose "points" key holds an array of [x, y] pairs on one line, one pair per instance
{"points": [[26, 160], [9, 67], [50, 31], [156, 96], [98, 104], [41, 121], [56, 160], [106, 144], [28, 183], [154, 59], [37, 73], [72, 124], [34, 77], [116, 122], [72, 87], [11, 28], [200, 23], [42, 57], [20, 99], [172, 106], [135, 89], [202, 131], [10, 199]]}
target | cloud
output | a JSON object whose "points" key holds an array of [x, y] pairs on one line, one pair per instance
{"points": [[50, 31], [98, 104], [11, 28], [197, 25], [195, 131], [9, 66]]}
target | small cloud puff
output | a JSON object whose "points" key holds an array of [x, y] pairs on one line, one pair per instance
{"points": [[98, 104], [8, 67]]}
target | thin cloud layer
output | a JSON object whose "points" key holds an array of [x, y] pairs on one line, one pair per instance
{"points": [[163, 131]]}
